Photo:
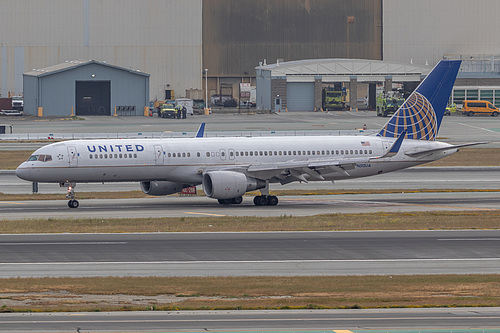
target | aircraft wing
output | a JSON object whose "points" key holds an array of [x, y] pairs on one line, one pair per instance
{"points": [[305, 171], [311, 169]]}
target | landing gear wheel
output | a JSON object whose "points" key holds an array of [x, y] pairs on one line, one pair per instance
{"points": [[73, 203], [260, 200], [224, 201], [237, 200], [272, 200]]}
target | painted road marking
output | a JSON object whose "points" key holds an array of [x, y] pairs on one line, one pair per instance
{"points": [[207, 214], [13, 202]]}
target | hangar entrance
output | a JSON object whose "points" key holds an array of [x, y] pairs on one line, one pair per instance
{"points": [[93, 98], [300, 96]]}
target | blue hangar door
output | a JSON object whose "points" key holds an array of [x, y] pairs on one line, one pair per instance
{"points": [[300, 96]]}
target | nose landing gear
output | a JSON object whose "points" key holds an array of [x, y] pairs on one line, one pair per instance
{"points": [[72, 203]]}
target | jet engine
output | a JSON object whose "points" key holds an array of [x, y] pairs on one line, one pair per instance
{"points": [[229, 184], [161, 187]]}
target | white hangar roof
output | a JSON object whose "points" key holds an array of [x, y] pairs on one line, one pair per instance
{"points": [[74, 64], [343, 69]]}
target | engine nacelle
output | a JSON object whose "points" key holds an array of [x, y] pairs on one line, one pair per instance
{"points": [[229, 184], [161, 187]]}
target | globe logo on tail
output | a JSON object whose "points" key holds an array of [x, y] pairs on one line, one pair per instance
{"points": [[416, 116]]}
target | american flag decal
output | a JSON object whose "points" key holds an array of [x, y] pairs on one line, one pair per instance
{"points": [[365, 143]]}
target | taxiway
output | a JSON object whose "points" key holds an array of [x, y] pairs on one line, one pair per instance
{"points": [[245, 254]]}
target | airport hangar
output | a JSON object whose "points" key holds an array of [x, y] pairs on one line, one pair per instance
{"points": [[85, 88], [298, 85]]}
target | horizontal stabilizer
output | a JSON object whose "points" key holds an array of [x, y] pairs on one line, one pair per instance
{"points": [[428, 151]]}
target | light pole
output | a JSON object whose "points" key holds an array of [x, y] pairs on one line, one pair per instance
{"points": [[206, 90]]}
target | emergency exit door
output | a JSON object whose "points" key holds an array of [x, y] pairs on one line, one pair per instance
{"points": [[158, 155]]}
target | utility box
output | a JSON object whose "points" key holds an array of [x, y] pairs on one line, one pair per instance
{"points": [[5, 103], [187, 103], [5, 129]]}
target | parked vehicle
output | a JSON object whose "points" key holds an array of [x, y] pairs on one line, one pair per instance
{"points": [[471, 108], [167, 110], [219, 100], [388, 104], [230, 103], [198, 104], [333, 99], [451, 108]]}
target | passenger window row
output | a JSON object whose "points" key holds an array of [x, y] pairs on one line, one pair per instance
{"points": [[279, 153]]}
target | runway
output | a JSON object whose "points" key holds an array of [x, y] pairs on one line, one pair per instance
{"points": [[307, 205], [286, 321], [413, 178], [251, 254]]}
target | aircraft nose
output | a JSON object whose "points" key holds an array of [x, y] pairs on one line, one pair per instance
{"points": [[23, 172]]}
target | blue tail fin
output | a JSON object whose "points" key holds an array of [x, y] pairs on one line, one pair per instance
{"points": [[421, 114]]}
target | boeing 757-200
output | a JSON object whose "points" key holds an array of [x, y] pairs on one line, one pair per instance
{"points": [[228, 167]]}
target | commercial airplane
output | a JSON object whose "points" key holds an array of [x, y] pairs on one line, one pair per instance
{"points": [[228, 167]]}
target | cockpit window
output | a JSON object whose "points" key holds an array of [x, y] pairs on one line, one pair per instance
{"points": [[41, 158]]}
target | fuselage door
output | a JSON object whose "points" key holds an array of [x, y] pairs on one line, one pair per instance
{"points": [[158, 155], [73, 156], [222, 154], [387, 145], [231, 154]]}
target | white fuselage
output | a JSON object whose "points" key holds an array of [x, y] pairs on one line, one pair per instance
{"points": [[184, 160]]}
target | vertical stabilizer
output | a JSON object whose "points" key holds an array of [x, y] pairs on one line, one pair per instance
{"points": [[421, 114]]}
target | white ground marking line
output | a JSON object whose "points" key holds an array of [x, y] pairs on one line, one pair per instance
{"points": [[251, 261], [481, 128]]}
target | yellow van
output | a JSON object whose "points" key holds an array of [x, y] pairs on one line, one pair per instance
{"points": [[471, 108]]}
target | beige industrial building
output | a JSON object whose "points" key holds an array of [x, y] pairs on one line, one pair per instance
{"points": [[175, 41]]}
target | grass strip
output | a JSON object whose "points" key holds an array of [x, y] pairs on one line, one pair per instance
{"points": [[442, 220], [217, 293]]}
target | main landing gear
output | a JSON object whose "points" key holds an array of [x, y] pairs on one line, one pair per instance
{"points": [[265, 200], [261, 200], [72, 203]]}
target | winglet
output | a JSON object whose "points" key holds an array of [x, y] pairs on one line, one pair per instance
{"points": [[201, 131]]}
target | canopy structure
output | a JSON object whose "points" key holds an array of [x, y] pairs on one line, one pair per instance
{"points": [[298, 84]]}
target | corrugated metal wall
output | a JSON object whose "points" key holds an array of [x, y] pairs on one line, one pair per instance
{"points": [[428, 29], [127, 88], [239, 34], [158, 37]]}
